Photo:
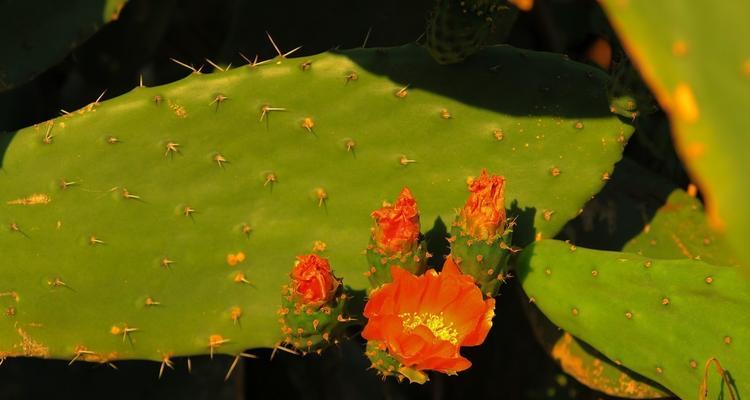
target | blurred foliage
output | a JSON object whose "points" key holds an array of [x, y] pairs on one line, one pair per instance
{"points": [[701, 81]]}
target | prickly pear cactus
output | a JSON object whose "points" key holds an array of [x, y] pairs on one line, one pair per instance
{"points": [[681, 323], [164, 222], [41, 33], [703, 86], [680, 230]]}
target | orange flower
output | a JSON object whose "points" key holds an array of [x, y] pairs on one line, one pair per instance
{"points": [[423, 321], [483, 216], [397, 229], [313, 282]]}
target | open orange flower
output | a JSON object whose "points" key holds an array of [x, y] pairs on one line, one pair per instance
{"points": [[483, 216], [397, 225], [423, 321], [313, 282]]}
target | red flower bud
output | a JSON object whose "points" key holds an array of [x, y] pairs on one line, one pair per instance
{"points": [[397, 225], [483, 216], [313, 282]]}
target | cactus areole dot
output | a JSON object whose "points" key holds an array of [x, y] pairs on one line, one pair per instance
{"points": [[397, 225], [313, 282], [483, 215], [423, 321]]}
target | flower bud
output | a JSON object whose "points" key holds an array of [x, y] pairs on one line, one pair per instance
{"points": [[481, 236], [483, 215], [312, 306], [313, 283], [395, 240], [396, 228]]}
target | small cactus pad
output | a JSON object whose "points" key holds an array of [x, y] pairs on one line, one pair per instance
{"points": [[680, 230], [140, 227], [701, 77], [668, 320], [41, 33]]}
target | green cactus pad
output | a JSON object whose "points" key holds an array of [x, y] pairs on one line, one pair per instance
{"points": [[40, 33], [664, 319], [701, 77], [124, 215], [680, 230]]}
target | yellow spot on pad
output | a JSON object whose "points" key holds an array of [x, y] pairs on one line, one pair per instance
{"points": [[434, 322], [679, 48], [234, 259], [308, 124], [694, 149], [319, 246], [34, 199], [177, 109], [686, 108]]}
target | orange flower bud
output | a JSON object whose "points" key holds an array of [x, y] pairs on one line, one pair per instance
{"points": [[423, 321], [397, 225], [313, 282], [483, 215]]}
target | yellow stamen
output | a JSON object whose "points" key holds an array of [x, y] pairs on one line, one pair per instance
{"points": [[434, 322]]}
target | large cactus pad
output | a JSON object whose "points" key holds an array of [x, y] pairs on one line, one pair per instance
{"points": [[165, 221]]}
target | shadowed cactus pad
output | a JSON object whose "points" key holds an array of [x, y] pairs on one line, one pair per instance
{"points": [[457, 28], [41, 33], [163, 222]]}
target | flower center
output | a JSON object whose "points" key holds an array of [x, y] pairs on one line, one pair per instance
{"points": [[434, 322]]}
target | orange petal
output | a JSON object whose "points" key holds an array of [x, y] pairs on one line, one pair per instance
{"points": [[412, 345], [446, 365], [450, 267], [482, 328], [440, 294], [409, 290]]}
